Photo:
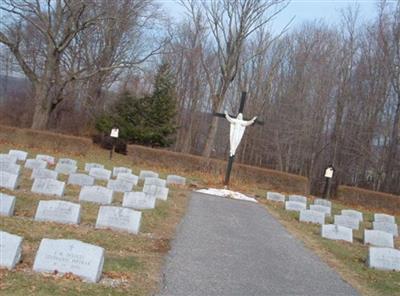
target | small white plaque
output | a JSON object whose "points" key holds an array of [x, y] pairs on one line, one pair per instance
{"points": [[329, 173], [114, 133]]}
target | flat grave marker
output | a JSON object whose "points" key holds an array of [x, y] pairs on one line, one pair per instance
{"points": [[154, 181], [378, 238], [323, 202], [9, 181], [157, 191], [68, 161], [44, 174], [10, 167], [147, 174], [66, 255], [384, 258], [176, 180], [80, 179], [312, 217], [275, 196], [295, 206], [10, 249], [139, 201], [387, 227], [65, 168], [58, 211], [337, 232], [118, 218], [35, 164], [384, 218], [91, 165], [8, 158], [352, 213], [347, 221], [100, 174], [19, 154], [119, 185], [322, 209], [48, 187], [298, 198], [119, 170], [96, 194], [47, 158], [7, 204], [128, 178]]}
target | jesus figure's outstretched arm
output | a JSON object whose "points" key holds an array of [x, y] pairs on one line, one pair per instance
{"points": [[230, 119], [250, 122]]}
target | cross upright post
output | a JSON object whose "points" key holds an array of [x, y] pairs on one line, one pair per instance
{"points": [[238, 126]]}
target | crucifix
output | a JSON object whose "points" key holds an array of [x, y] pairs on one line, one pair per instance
{"points": [[238, 125]]}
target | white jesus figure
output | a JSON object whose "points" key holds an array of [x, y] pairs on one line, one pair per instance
{"points": [[238, 125]]}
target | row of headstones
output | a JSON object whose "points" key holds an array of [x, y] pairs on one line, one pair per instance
{"points": [[381, 237], [56, 255]]}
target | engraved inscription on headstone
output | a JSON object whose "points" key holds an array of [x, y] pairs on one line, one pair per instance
{"points": [[7, 204], [100, 174], [378, 238], [387, 227], [154, 181], [321, 209], [337, 232], [64, 255], [323, 202], [157, 191], [44, 174], [147, 174], [47, 158], [97, 194], [347, 221], [384, 258], [19, 154], [48, 187], [9, 167], [119, 170], [10, 249], [275, 196], [176, 180], [89, 166], [384, 218], [9, 181], [35, 164], [119, 185], [312, 216], [295, 206], [298, 198], [118, 218], [352, 213], [65, 169], [58, 211], [67, 161], [80, 179], [128, 178], [139, 201]]}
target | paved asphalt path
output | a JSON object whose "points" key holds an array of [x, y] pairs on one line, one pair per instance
{"points": [[230, 247]]}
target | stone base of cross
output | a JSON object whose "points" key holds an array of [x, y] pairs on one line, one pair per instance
{"points": [[238, 126]]}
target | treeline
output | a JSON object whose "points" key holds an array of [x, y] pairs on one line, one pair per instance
{"points": [[327, 94]]}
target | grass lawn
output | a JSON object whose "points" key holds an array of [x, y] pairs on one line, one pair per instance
{"points": [[132, 262], [348, 259]]}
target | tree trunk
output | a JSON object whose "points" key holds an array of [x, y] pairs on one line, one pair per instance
{"points": [[212, 132]]}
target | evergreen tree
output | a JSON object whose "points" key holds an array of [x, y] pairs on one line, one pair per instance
{"points": [[149, 120]]}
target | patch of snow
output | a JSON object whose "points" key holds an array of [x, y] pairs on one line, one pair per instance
{"points": [[227, 193]]}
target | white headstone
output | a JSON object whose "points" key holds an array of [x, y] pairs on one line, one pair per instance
{"points": [[97, 194], [139, 201], [384, 218], [10, 249], [275, 196], [352, 213], [100, 174], [19, 154], [120, 170], [58, 211], [66, 255], [158, 191], [89, 166], [336, 232], [48, 187], [147, 174], [387, 227], [312, 217], [298, 198], [118, 218], [321, 209], [80, 179], [384, 258], [128, 178], [119, 185], [47, 158], [154, 181], [35, 164], [9, 167], [65, 169], [347, 221], [7, 204], [68, 161], [295, 206], [323, 202], [378, 238], [9, 181], [44, 174], [8, 158], [176, 180]]}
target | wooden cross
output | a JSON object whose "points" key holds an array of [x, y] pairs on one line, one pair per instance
{"points": [[231, 158]]}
